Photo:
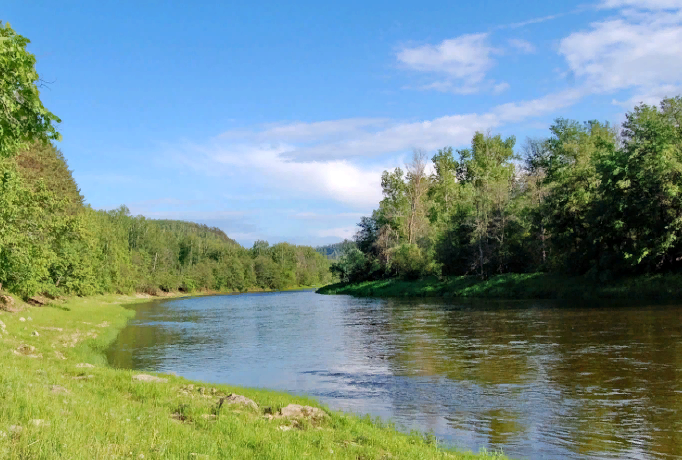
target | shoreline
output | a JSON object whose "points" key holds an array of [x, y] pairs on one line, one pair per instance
{"points": [[518, 286], [61, 399]]}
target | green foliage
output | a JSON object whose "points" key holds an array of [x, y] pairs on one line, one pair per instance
{"points": [[409, 261], [640, 216], [43, 161], [585, 201], [51, 244], [23, 119]]}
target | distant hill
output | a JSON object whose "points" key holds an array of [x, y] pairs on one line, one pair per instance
{"points": [[336, 250], [201, 230]]}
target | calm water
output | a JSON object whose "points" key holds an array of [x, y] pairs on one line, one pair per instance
{"points": [[536, 379]]}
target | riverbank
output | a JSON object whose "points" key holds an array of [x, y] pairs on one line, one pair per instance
{"points": [[518, 286], [59, 399]]}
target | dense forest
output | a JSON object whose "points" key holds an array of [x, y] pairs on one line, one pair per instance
{"points": [[589, 199], [52, 243]]}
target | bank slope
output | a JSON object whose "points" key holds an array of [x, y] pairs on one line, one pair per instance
{"points": [[59, 399], [519, 286]]}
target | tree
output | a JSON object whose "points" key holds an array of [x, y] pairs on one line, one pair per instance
{"points": [[640, 216], [416, 189], [575, 150], [443, 190], [487, 167], [23, 118]]}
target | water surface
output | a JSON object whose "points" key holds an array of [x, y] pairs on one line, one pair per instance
{"points": [[536, 379]]}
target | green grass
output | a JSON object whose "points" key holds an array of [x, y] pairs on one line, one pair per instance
{"points": [[109, 415], [519, 286]]}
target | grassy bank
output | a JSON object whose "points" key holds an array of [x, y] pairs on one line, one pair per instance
{"points": [[59, 399], [519, 286]]}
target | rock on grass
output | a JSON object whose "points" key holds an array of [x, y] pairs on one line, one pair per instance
{"points": [[149, 378], [239, 399], [296, 411]]}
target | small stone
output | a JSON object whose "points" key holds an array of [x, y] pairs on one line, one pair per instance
{"points": [[35, 334], [81, 365], [39, 422], [59, 355], [2, 325], [284, 428], [298, 411], [22, 319], [16, 429], [149, 378], [239, 399]]}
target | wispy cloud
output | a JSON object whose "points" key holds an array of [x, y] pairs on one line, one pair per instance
{"points": [[462, 62], [501, 88], [522, 45], [538, 20], [341, 233], [321, 216], [643, 4]]}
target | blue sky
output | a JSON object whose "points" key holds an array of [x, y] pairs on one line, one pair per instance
{"points": [[274, 120]]}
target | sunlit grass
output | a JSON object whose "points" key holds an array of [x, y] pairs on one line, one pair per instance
{"points": [[51, 408]]}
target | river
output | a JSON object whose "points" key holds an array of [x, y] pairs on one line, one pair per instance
{"points": [[535, 379]]}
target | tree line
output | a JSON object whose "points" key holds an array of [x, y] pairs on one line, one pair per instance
{"points": [[52, 243], [589, 199]]}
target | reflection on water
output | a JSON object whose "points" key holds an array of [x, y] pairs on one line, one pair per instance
{"points": [[535, 379]]}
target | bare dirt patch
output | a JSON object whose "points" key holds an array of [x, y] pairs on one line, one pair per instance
{"points": [[7, 304], [27, 350]]}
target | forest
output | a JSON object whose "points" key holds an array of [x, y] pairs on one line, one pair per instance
{"points": [[52, 243], [590, 199]]}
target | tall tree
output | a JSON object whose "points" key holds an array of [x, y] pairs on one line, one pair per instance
{"points": [[416, 190]]}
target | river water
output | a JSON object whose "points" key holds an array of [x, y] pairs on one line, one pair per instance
{"points": [[535, 379]]}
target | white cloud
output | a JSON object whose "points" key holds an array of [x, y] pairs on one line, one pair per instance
{"points": [[463, 60], [522, 45], [268, 166], [338, 170], [638, 50]]}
